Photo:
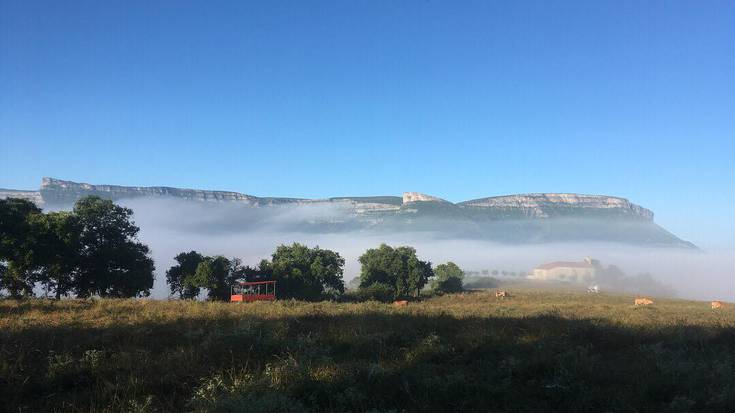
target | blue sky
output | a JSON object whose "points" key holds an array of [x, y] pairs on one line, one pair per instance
{"points": [[313, 99]]}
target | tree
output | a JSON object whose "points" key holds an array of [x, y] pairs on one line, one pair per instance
{"points": [[58, 249], [448, 279], [306, 273], [216, 275], [112, 262], [397, 269], [18, 246], [260, 272], [177, 275]]}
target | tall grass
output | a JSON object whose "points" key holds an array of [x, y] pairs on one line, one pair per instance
{"points": [[536, 351]]}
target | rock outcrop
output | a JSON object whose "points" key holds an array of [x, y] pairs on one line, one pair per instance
{"points": [[419, 197]]}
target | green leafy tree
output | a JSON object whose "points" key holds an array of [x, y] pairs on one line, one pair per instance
{"points": [[18, 246], [396, 268], [260, 272], [448, 279], [58, 250], [215, 274], [112, 262], [177, 275], [306, 273]]}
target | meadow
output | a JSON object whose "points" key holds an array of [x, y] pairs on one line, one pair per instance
{"points": [[536, 351]]}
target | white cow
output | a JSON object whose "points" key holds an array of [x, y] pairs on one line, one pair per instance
{"points": [[593, 289]]}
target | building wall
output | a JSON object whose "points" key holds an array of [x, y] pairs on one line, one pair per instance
{"points": [[564, 274]]}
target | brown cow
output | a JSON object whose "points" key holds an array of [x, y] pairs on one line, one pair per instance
{"points": [[501, 294], [717, 304], [643, 301], [401, 303]]}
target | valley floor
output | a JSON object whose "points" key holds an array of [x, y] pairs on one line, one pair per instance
{"points": [[533, 352]]}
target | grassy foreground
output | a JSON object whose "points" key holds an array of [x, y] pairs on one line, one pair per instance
{"points": [[533, 352]]}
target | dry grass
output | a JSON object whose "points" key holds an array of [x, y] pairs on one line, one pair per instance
{"points": [[534, 351]]}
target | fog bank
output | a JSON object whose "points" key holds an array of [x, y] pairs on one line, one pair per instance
{"points": [[173, 226]]}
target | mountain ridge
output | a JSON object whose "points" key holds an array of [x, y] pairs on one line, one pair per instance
{"points": [[57, 191], [534, 217]]}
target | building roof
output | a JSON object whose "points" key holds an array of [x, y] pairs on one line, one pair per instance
{"points": [[564, 264]]}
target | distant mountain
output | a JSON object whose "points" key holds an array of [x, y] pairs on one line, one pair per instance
{"points": [[524, 218]]}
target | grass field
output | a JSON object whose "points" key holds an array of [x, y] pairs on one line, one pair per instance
{"points": [[536, 351]]}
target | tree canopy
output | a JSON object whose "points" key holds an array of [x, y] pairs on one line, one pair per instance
{"points": [[306, 273], [18, 246], [178, 275], [112, 262], [397, 270], [92, 250], [448, 278], [58, 245], [216, 274]]}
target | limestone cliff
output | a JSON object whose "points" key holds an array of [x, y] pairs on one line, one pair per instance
{"points": [[419, 197], [33, 196], [555, 205], [57, 192], [512, 218]]}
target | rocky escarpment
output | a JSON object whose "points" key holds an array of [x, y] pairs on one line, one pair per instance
{"points": [[559, 205], [33, 196], [60, 192], [512, 218]]}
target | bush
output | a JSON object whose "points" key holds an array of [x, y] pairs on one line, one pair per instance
{"points": [[377, 292]]}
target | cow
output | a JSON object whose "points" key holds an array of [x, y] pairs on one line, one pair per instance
{"points": [[717, 304], [400, 303], [643, 301], [593, 289], [501, 294]]}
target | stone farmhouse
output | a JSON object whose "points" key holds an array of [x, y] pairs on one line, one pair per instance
{"points": [[567, 271]]}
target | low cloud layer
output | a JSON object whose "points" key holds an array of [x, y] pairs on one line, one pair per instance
{"points": [[172, 226]]}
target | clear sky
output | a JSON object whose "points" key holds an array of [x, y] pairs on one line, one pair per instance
{"points": [[458, 99]]}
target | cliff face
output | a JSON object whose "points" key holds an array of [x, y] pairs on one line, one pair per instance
{"points": [[33, 196], [535, 206], [59, 192], [512, 218], [555, 205]]}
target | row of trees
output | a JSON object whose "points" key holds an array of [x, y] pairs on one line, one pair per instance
{"points": [[302, 272], [312, 274], [91, 250]]}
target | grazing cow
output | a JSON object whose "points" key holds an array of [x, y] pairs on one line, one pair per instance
{"points": [[643, 301], [501, 294], [717, 304], [401, 303]]}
